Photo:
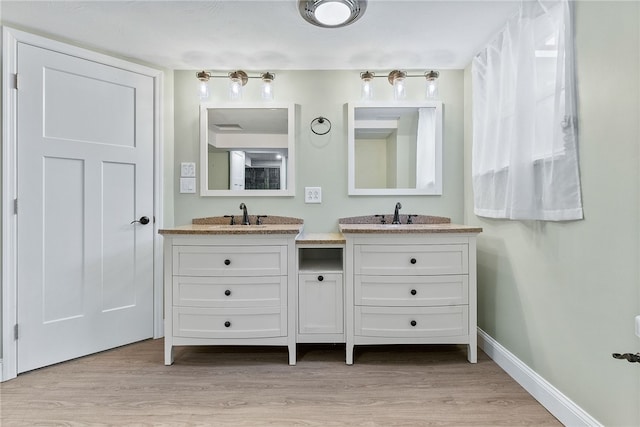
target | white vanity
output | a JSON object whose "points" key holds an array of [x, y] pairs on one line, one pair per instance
{"points": [[410, 284], [271, 285], [230, 285]]}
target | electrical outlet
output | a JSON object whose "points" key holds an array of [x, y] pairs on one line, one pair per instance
{"points": [[187, 169], [313, 194]]}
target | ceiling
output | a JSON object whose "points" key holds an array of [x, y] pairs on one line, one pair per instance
{"points": [[269, 34]]}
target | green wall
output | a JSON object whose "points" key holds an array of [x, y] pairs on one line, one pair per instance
{"points": [[562, 296], [321, 161]]}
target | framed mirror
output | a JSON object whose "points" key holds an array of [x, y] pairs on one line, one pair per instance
{"points": [[247, 150], [395, 149]]}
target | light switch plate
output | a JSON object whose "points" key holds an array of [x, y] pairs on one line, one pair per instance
{"points": [[313, 194], [187, 185], [187, 169], [638, 326]]}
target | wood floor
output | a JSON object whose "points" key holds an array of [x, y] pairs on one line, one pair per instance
{"points": [[253, 386]]}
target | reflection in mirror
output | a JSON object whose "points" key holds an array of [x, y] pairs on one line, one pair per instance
{"points": [[247, 150], [395, 149]]}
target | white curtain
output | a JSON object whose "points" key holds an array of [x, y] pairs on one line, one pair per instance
{"points": [[524, 158], [426, 148]]}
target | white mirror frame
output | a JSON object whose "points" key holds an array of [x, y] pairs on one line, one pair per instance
{"points": [[291, 136], [435, 189]]}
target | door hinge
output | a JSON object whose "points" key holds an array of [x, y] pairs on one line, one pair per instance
{"points": [[14, 82], [15, 331], [15, 206]]}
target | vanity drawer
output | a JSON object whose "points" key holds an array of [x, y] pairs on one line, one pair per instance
{"points": [[228, 292], [411, 290], [229, 260], [411, 322], [411, 260], [195, 322]]}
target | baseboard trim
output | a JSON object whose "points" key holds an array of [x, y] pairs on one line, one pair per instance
{"points": [[563, 408]]}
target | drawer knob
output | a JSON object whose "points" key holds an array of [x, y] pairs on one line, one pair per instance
{"points": [[413, 292], [227, 292], [414, 323], [413, 260], [227, 261], [320, 278], [227, 324]]}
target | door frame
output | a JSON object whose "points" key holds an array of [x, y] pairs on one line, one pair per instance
{"points": [[11, 38]]}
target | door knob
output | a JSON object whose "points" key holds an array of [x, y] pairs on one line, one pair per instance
{"points": [[143, 220]]}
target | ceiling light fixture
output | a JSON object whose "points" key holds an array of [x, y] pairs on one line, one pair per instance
{"points": [[332, 13], [237, 80]]}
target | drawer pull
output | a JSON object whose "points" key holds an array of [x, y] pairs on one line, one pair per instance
{"points": [[227, 261], [227, 324], [320, 278], [414, 323], [413, 260], [227, 292], [413, 292]]}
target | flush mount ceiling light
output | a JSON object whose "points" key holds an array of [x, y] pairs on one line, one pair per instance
{"points": [[332, 13]]}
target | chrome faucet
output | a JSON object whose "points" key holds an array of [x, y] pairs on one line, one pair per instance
{"points": [[245, 216], [396, 214]]}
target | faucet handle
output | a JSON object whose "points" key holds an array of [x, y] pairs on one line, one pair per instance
{"points": [[410, 218], [232, 222], [382, 219], [259, 219]]}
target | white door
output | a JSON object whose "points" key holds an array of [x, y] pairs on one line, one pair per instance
{"points": [[237, 162], [84, 173]]}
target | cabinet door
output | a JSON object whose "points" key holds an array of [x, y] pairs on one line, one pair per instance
{"points": [[320, 308]]}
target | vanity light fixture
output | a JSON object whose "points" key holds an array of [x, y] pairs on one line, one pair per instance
{"points": [[432, 84], [203, 87], [266, 91], [367, 87], [331, 13], [237, 80], [397, 79]]}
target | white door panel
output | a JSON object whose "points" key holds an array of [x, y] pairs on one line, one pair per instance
{"points": [[85, 172]]}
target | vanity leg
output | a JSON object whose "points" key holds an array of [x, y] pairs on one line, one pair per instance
{"points": [[349, 354], [292, 354], [472, 353], [168, 354]]}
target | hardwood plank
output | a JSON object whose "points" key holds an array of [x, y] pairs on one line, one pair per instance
{"points": [[254, 386]]}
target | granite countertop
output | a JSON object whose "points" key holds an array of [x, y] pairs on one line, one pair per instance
{"points": [[225, 229], [320, 239], [408, 228]]}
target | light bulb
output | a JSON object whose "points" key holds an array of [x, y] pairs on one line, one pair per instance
{"points": [[399, 91]]}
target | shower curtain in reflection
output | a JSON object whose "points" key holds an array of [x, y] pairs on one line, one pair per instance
{"points": [[524, 157], [426, 148]]}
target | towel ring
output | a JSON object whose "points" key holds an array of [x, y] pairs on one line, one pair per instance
{"points": [[322, 121]]}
